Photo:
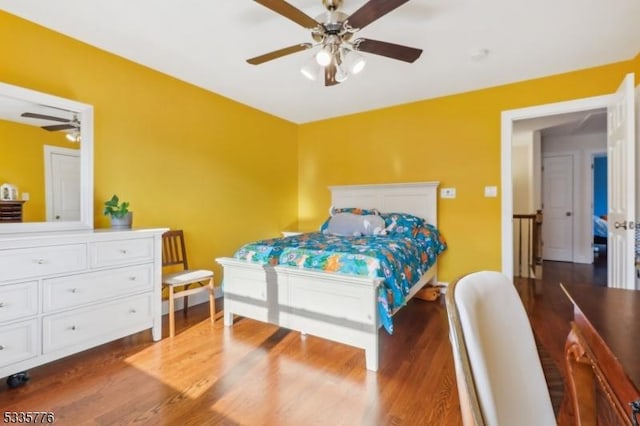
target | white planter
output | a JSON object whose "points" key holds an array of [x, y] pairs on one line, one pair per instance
{"points": [[122, 222]]}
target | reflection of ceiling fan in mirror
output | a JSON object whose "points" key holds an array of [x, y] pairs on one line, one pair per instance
{"points": [[69, 124], [332, 31]]}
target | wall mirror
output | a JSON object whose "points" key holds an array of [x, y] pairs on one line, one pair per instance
{"points": [[46, 162]]}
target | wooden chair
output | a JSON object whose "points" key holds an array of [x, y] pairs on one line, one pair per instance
{"points": [[174, 254], [498, 369]]}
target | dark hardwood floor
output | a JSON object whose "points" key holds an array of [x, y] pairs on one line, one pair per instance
{"points": [[257, 374]]}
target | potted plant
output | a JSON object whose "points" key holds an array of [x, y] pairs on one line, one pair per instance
{"points": [[118, 212]]}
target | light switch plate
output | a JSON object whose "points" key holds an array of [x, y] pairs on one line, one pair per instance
{"points": [[490, 191], [448, 193]]}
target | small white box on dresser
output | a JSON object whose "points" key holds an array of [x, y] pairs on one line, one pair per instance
{"points": [[64, 292]]}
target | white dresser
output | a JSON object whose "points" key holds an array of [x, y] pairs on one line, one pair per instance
{"points": [[64, 292]]}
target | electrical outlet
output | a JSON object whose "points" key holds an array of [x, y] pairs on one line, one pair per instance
{"points": [[448, 193]]}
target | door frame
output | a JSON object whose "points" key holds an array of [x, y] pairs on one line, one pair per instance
{"points": [[508, 117]]}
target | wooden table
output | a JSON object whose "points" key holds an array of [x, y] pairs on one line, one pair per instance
{"points": [[603, 345]]}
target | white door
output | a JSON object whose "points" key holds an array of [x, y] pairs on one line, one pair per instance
{"points": [[622, 192], [557, 208], [62, 184]]}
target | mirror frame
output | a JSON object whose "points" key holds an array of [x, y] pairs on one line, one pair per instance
{"points": [[85, 115]]}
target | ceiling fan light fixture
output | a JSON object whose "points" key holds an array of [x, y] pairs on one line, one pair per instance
{"points": [[341, 74], [324, 56], [73, 136], [354, 62], [311, 70]]}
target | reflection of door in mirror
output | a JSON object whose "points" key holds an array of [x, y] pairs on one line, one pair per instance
{"points": [[62, 183]]}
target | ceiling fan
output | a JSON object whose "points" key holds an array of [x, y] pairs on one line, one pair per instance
{"points": [[73, 124], [333, 31]]}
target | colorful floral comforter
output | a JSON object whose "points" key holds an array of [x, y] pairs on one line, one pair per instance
{"points": [[399, 259]]}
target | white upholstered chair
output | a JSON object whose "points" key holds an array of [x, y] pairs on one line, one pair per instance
{"points": [[498, 370]]}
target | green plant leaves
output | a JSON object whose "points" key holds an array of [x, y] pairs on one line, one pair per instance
{"points": [[114, 208]]}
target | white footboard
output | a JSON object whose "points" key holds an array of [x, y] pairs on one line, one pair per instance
{"points": [[338, 307], [250, 290]]}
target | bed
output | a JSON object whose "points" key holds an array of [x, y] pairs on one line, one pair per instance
{"points": [[342, 307], [600, 230]]}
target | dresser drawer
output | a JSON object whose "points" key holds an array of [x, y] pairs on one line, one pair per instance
{"points": [[109, 253], [18, 342], [95, 324], [18, 301], [38, 261], [76, 290]]}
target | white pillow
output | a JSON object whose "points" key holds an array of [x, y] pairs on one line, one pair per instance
{"points": [[349, 224]]}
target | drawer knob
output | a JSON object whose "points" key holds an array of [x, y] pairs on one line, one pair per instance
{"points": [[1, 347], [132, 311], [123, 251], [39, 261], [1, 304], [73, 290], [73, 327], [132, 278]]}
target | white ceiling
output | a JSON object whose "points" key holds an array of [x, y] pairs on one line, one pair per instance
{"points": [[574, 123], [11, 109], [206, 43]]}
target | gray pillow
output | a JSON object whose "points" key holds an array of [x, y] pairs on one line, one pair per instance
{"points": [[349, 224]]}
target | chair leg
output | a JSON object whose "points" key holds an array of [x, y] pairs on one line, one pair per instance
{"points": [[185, 306], [172, 313], [212, 301]]}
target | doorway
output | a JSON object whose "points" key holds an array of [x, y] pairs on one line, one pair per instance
{"points": [[537, 120], [621, 141], [557, 151]]}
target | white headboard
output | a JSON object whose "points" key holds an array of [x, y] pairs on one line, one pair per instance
{"points": [[419, 198]]}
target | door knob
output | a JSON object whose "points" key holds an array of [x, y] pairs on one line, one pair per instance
{"points": [[622, 225], [568, 214]]}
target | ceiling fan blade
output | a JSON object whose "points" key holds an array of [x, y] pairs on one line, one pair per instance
{"points": [[371, 11], [44, 117], [390, 50], [290, 12], [59, 127], [279, 53], [330, 75]]}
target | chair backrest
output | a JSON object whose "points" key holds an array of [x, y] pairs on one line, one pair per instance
{"points": [[173, 251], [498, 370]]}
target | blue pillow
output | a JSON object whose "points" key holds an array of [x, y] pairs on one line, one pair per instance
{"points": [[402, 223]]}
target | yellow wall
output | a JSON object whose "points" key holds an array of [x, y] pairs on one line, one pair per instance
{"points": [[22, 163], [227, 173], [453, 139], [183, 156]]}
